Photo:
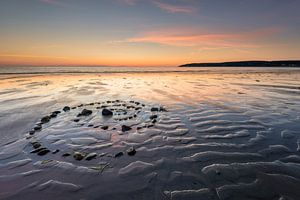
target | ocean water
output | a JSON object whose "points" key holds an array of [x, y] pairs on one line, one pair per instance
{"points": [[175, 133], [49, 70]]}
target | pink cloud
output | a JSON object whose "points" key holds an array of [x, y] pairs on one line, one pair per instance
{"points": [[201, 38], [170, 8]]}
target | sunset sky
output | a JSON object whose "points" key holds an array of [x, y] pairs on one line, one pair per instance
{"points": [[147, 32]]}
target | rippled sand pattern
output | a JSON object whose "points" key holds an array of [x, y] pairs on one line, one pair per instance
{"points": [[224, 136]]}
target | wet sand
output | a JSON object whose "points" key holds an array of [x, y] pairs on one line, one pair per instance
{"points": [[192, 135]]}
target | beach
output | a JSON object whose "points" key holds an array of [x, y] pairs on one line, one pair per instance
{"points": [[201, 133]]}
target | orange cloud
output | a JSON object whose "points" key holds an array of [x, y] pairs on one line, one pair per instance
{"points": [[174, 8], [190, 37]]}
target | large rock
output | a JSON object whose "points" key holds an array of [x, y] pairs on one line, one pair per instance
{"points": [[107, 112], [126, 128], [46, 119], [78, 156], [85, 112], [66, 108]]}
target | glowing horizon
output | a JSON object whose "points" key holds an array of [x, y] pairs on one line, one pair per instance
{"points": [[146, 33]]}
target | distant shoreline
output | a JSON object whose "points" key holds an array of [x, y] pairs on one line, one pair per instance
{"points": [[259, 63]]}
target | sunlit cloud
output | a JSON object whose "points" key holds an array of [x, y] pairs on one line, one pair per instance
{"points": [[30, 56], [194, 38], [171, 8]]}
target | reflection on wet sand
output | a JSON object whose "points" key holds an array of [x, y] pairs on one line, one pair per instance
{"points": [[223, 136]]}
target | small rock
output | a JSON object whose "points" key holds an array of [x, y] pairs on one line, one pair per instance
{"points": [[55, 151], [76, 120], [126, 128], [37, 128], [66, 108], [46, 119], [154, 109], [153, 116], [43, 152], [57, 112], [104, 127], [36, 145], [131, 151], [78, 156], [31, 132], [162, 109], [119, 154], [66, 154], [107, 112], [53, 115], [91, 156], [38, 150], [85, 112], [154, 121]]}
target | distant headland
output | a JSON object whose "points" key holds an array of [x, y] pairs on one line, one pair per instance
{"points": [[280, 63]]}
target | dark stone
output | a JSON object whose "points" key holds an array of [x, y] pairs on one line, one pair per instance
{"points": [[107, 112], [31, 132], [131, 151], [104, 127], [153, 116], [154, 121], [76, 120], [57, 112], [37, 128], [119, 154], [66, 108], [126, 128], [78, 156], [138, 128], [91, 104], [85, 112], [53, 115], [149, 126], [91, 156], [73, 108], [55, 151], [162, 109], [154, 109], [46, 119], [43, 152], [36, 145], [38, 150], [90, 125], [66, 154]]}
